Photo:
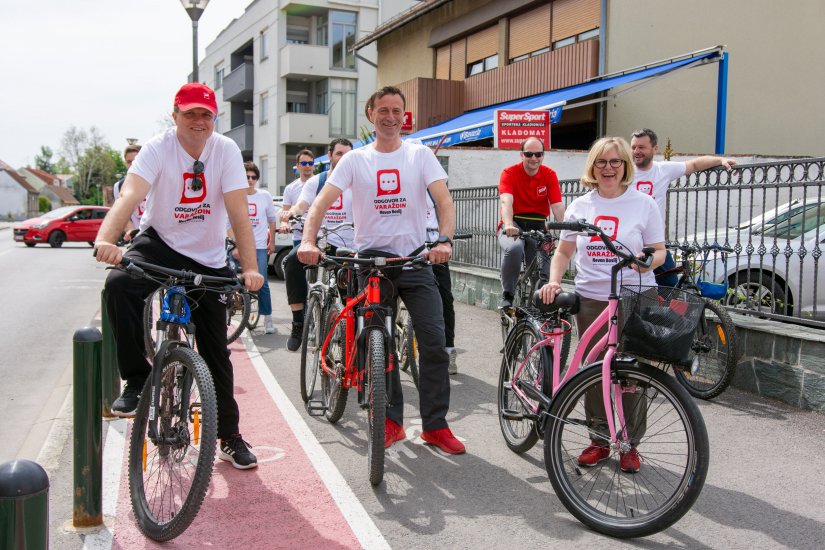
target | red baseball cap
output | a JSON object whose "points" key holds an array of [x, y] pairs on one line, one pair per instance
{"points": [[194, 95]]}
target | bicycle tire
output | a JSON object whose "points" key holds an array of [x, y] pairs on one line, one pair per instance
{"points": [[254, 315], [674, 453], [151, 313], [311, 344], [519, 435], [400, 333], [163, 512], [409, 351], [335, 394], [376, 366], [716, 346], [237, 314]]}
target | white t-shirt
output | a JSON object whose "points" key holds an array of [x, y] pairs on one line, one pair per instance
{"points": [[291, 197], [432, 221], [193, 223], [339, 212], [654, 182], [632, 222], [138, 213], [261, 214], [389, 195]]}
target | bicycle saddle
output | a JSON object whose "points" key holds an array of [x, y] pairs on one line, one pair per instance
{"points": [[341, 252], [568, 301]]}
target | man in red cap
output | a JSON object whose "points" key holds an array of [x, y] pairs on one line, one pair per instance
{"points": [[192, 178]]}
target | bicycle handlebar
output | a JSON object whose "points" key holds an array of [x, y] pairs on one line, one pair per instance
{"points": [[582, 226], [138, 268]]}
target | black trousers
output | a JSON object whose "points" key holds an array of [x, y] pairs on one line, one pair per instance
{"points": [[125, 297], [445, 289], [295, 279]]}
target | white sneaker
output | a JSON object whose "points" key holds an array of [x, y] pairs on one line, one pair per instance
{"points": [[452, 368], [269, 328]]}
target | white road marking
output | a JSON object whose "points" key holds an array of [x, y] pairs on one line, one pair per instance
{"points": [[112, 469]]}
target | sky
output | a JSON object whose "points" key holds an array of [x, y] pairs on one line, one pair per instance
{"points": [[113, 64]]}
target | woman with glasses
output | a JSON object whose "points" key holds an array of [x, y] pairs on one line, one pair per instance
{"points": [[528, 191], [632, 220]]}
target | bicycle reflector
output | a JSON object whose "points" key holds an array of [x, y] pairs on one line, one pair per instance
{"points": [[175, 309]]}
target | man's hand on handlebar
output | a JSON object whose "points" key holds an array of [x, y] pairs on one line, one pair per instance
{"points": [[440, 253], [107, 253], [252, 280], [511, 230], [308, 253]]}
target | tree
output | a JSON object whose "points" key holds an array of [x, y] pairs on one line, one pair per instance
{"points": [[43, 160], [43, 203], [92, 161]]}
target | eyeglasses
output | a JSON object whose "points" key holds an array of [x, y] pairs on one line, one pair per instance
{"points": [[307, 163], [252, 177], [530, 154], [614, 163], [197, 181]]}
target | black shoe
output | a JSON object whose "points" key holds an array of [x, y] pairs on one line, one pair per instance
{"points": [[294, 340], [238, 452], [125, 405], [506, 300]]}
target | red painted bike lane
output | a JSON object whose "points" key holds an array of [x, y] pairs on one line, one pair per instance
{"points": [[283, 503]]}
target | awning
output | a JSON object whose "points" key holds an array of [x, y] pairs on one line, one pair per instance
{"points": [[478, 124]]}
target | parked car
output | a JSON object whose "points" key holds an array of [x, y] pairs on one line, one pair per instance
{"points": [[283, 244], [69, 223], [784, 278]]}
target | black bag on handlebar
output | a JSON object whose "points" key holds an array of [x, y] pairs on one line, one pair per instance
{"points": [[659, 322]]}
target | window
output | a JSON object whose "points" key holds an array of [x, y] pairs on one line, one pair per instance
{"points": [[297, 29], [264, 44], [342, 107], [343, 25], [263, 166], [322, 97], [589, 35], [322, 31], [297, 96], [486, 64], [219, 76], [264, 108], [565, 42], [529, 55]]}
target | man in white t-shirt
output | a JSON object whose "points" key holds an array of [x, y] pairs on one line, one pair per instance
{"points": [[653, 178], [390, 179], [129, 155], [191, 178], [339, 212]]}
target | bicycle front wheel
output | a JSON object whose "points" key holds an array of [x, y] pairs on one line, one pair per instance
{"points": [[715, 346], [668, 433], [377, 411], [311, 344], [152, 307], [237, 315], [168, 479], [517, 421], [254, 317], [332, 387]]}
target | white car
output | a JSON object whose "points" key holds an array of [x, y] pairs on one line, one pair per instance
{"points": [[773, 268], [283, 245]]}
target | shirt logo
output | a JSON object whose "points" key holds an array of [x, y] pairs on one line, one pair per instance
{"points": [[389, 182], [253, 209], [608, 224], [541, 191], [338, 204], [645, 187], [190, 195]]}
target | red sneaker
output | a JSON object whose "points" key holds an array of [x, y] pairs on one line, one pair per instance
{"points": [[593, 454], [444, 439], [393, 432], [629, 462]]}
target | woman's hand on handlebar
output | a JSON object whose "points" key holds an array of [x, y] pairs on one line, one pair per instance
{"points": [[648, 256], [252, 280], [549, 292], [308, 253]]}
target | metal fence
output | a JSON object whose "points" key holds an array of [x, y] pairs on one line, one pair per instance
{"points": [[771, 214]]}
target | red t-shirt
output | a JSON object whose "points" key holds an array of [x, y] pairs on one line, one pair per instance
{"points": [[531, 195]]}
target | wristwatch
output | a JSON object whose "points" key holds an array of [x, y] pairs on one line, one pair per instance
{"points": [[444, 239]]}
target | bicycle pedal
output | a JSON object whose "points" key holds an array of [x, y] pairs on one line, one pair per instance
{"points": [[316, 408], [507, 414]]}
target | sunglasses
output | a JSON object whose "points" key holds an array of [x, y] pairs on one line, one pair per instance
{"points": [[197, 181], [307, 163], [252, 177], [614, 163], [529, 154]]}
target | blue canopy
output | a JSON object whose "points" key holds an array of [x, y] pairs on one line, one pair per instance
{"points": [[478, 124]]}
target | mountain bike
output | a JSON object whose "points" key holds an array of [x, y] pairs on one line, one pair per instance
{"points": [[715, 349], [173, 438], [647, 411]]}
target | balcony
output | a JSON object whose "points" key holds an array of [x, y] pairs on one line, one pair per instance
{"points": [[304, 128], [243, 136], [238, 85], [302, 60]]}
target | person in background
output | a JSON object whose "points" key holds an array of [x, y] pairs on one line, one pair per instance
{"points": [[130, 230]]}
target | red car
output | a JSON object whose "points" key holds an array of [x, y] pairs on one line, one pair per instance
{"points": [[69, 223]]}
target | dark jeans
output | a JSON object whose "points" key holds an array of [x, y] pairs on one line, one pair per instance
{"points": [[445, 289], [417, 288], [125, 297], [670, 279], [295, 279]]}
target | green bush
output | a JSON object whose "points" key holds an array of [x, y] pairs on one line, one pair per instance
{"points": [[44, 204]]}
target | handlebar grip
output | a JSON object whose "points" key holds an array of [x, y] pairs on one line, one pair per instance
{"points": [[563, 226], [460, 236]]}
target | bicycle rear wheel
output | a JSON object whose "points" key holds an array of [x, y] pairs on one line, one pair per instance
{"points": [[237, 315], [408, 351], [672, 445], [376, 366], [335, 394], [716, 348], [311, 344], [169, 479], [518, 423]]}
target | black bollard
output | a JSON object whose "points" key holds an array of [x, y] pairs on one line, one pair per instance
{"points": [[24, 506], [110, 381], [88, 450]]}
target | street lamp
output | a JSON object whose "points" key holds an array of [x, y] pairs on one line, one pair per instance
{"points": [[195, 9]]}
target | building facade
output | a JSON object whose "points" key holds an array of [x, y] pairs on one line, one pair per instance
{"points": [[18, 199]]}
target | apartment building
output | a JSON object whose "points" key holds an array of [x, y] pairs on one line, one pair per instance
{"points": [[286, 78]]}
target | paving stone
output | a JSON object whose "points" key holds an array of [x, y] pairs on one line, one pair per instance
{"points": [[812, 356], [778, 381], [813, 391]]}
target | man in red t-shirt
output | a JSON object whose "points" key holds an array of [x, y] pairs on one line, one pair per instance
{"points": [[528, 191]]}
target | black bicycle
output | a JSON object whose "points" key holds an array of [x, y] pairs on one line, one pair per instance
{"points": [[173, 439], [715, 349]]}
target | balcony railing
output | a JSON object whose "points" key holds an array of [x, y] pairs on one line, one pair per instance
{"points": [[239, 84], [243, 136]]}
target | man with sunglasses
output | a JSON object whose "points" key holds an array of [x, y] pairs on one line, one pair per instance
{"points": [[653, 178], [528, 192], [192, 179]]}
